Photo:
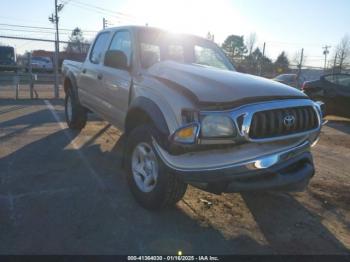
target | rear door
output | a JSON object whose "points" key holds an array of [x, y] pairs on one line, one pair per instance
{"points": [[90, 76], [117, 82]]}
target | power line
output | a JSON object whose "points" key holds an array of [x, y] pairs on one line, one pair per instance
{"points": [[27, 31], [19, 19], [292, 43], [39, 33], [110, 13], [65, 2], [102, 9], [32, 39], [44, 28]]}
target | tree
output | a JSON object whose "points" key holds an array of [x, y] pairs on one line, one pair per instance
{"points": [[282, 63], [256, 63], [267, 66], [235, 47], [250, 43], [342, 54], [77, 42], [297, 59], [252, 61]]}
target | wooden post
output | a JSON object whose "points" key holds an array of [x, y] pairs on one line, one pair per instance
{"points": [[261, 66], [30, 70], [16, 84]]}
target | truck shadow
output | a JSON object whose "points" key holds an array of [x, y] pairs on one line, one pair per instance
{"points": [[56, 199], [289, 227], [342, 126], [286, 224], [28, 102]]}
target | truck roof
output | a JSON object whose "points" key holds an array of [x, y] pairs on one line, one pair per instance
{"points": [[137, 28]]}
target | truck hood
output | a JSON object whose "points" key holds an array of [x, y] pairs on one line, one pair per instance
{"points": [[210, 86]]}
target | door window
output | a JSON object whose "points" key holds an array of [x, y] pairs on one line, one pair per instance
{"points": [[98, 48], [122, 42]]}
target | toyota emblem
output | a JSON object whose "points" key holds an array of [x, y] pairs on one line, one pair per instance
{"points": [[289, 121]]}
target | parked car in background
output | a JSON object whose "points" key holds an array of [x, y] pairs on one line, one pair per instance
{"points": [[42, 63], [290, 79], [8, 60], [333, 90]]}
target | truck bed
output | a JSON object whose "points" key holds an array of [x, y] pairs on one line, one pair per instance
{"points": [[71, 66]]}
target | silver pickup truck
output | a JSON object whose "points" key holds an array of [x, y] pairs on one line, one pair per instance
{"points": [[190, 118]]}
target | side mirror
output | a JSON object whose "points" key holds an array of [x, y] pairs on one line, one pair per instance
{"points": [[148, 58], [116, 59]]}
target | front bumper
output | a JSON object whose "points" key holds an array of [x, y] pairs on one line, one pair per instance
{"points": [[287, 170]]}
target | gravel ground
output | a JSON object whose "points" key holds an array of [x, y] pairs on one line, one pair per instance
{"points": [[65, 193]]}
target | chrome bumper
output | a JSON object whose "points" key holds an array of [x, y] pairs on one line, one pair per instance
{"points": [[280, 170], [263, 162]]}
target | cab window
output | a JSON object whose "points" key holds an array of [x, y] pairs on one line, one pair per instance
{"points": [[98, 48]]}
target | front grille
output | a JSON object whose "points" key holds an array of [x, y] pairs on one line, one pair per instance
{"points": [[280, 122]]}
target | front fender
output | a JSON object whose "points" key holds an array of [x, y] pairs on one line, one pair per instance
{"points": [[153, 112]]}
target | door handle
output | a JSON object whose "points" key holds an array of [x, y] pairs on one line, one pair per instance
{"points": [[99, 76], [84, 71]]}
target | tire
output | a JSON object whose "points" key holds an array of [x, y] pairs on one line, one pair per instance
{"points": [[76, 114], [167, 190]]}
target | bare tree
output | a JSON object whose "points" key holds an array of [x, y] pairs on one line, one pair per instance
{"points": [[296, 60], [251, 42], [77, 42], [342, 54]]}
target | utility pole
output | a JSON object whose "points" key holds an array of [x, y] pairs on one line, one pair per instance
{"points": [[335, 62], [301, 62], [57, 52], [325, 52], [105, 23], [262, 60], [55, 19]]}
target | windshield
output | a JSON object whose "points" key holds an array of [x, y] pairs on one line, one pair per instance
{"points": [[157, 45], [7, 53]]}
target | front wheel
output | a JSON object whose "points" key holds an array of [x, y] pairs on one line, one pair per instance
{"points": [[150, 183], [76, 114]]}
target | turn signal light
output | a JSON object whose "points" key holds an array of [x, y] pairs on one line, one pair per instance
{"points": [[187, 134]]}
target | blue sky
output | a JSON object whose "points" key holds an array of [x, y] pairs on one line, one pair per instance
{"points": [[283, 25]]}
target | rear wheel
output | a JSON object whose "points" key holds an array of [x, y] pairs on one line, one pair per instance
{"points": [[76, 114], [150, 183]]}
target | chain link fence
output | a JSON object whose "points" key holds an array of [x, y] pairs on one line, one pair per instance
{"points": [[24, 82]]}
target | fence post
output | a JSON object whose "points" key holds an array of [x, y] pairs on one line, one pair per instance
{"points": [[30, 70], [16, 84]]}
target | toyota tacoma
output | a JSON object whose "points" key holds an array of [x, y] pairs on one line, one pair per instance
{"points": [[190, 118]]}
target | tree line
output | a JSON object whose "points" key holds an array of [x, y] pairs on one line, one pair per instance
{"points": [[250, 59]]}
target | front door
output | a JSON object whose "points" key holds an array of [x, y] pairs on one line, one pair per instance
{"points": [[117, 82]]}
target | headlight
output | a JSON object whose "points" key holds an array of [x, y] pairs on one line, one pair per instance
{"points": [[216, 126]]}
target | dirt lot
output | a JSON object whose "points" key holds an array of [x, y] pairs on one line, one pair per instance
{"points": [[64, 192]]}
